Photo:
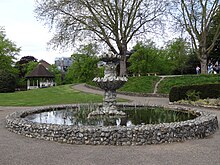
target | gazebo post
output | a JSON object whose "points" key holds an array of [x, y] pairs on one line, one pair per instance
{"points": [[28, 84]]}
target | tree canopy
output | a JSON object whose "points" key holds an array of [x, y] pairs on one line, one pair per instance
{"points": [[8, 50], [7, 47], [23, 64], [112, 22], [173, 59], [83, 69]]}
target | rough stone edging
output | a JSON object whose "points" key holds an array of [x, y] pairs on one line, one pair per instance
{"points": [[196, 105], [202, 126]]}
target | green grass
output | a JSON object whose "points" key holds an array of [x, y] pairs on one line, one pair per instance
{"points": [[143, 84], [66, 95], [169, 82], [48, 96]]}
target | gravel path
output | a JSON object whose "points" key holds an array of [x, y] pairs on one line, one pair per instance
{"points": [[19, 150]]}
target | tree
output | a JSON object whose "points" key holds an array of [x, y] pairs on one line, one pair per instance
{"points": [[7, 47], [7, 81], [90, 49], [144, 59], [83, 69], [8, 73], [173, 59], [178, 51], [58, 76], [23, 64], [8, 50], [114, 23], [196, 17], [214, 54], [147, 58]]}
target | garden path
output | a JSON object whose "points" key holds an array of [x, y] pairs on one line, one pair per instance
{"points": [[161, 79]]}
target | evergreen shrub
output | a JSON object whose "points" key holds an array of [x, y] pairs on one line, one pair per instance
{"points": [[204, 90], [7, 82]]}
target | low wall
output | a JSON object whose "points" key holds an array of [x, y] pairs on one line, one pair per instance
{"points": [[202, 126]]}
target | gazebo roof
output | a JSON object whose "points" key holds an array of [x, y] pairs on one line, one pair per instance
{"points": [[45, 64], [40, 72]]}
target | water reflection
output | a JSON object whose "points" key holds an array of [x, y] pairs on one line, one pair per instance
{"points": [[133, 116]]}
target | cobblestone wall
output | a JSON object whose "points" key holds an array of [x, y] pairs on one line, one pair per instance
{"points": [[202, 126]]}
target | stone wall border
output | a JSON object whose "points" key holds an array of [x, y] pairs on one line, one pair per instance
{"points": [[204, 125]]}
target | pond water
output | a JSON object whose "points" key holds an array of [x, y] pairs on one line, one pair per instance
{"points": [[133, 117]]}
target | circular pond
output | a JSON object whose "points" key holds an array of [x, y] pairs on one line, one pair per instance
{"points": [[143, 125], [134, 116]]}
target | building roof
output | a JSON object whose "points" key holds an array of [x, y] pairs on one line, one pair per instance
{"points": [[40, 72], [45, 64]]}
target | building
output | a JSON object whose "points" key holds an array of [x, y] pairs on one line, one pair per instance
{"points": [[45, 64], [40, 77], [63, 63]]}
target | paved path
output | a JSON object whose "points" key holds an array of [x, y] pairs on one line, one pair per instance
{"points": [[19, 150], [157, 84], [161, 79]]}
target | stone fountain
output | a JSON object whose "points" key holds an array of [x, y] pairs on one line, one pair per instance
{"points": [[94, 131], [109, 83]]}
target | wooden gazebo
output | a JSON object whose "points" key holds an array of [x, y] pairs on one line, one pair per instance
{"points": [[40, 77]]}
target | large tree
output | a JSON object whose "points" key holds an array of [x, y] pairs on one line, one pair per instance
{"points": [[8, 50], [196, 17], [7, 47], [112, 22], [83, 69], [178, 50], [23, 63], [214, 55]]}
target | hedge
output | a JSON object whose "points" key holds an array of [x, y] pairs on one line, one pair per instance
{"points": [[204, 91], [7, 82]]}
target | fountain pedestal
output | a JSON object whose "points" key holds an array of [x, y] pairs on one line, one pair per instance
{"points": [[110, 83]]}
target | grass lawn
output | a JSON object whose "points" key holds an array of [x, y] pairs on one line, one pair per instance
{"points": [[143, 84], [66, 95], [48, 96], [169, 82]]}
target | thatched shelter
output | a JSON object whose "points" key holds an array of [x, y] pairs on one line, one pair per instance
{"points": [[40, 77]]}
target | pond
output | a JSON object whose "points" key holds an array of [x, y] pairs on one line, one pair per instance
{"points": [[134, 116]]}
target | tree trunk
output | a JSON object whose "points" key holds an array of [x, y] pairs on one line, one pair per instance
{"points": [[203, 63], [203, 57], [123, 67]]}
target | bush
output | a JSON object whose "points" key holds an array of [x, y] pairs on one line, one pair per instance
{"points": [[7, 82], [192, 95], [204, 90]]}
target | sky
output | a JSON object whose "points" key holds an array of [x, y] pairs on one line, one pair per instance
{"points": [[22, 28]]}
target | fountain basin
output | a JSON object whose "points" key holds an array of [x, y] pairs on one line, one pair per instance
{"points": [[205, 124], [110, 83]]}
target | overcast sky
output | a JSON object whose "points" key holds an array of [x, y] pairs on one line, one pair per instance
{"points": [[21, 26]]}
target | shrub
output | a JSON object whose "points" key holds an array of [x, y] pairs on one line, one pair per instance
{"points": [[192, 95], [204, 91], [7, 82]]}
